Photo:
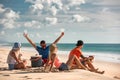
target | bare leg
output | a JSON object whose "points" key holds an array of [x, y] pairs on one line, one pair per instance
{"points": [[20, 66], [90, 65], [92, 68], [24, 62], [74, 58]]}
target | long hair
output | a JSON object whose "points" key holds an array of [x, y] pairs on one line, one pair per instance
{"points": [[52, 50]]}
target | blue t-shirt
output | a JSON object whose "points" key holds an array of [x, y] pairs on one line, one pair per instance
{"points": [[43, 52]]}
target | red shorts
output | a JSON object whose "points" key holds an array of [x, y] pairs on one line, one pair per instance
{"points": [[44, 61]]}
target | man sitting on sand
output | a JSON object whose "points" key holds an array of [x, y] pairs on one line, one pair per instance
{"points": [[44, 49], [14, 61], [86, 62]]}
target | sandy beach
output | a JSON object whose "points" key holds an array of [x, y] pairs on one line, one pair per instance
{"points": [[112, 71]]}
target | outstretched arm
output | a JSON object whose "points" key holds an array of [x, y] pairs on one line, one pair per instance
{"points": [[58, 38], [29, 40]]}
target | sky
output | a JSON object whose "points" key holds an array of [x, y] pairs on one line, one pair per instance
{"points": [[93, 21]]}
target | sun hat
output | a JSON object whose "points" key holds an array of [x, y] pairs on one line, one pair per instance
{"points": [[16, 45]]}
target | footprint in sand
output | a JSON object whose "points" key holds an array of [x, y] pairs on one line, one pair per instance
{"points": [[6, 75], [27, 77], [116, 77], [39, 78]]}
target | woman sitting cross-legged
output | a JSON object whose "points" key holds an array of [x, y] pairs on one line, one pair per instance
{"points": [[14, 58], [54, 60]]}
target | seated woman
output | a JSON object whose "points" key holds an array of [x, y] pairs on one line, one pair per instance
{"points": [[14, 58], [54, 60]]}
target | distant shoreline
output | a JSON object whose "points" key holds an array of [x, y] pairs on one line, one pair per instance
{"points": [[102, 56]]}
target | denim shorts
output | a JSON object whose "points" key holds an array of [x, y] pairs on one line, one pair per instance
{"points": [[63, 67], [11, 66]]}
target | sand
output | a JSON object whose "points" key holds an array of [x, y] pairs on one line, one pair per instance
{"points": [[112, 71]]}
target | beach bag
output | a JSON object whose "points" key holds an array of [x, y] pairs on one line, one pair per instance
{"points": [[37, 63]]}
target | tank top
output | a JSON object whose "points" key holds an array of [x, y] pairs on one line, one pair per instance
{"points": [[10, 59]]}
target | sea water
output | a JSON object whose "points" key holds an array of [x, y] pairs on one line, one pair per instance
{"points": [[105, 52]]}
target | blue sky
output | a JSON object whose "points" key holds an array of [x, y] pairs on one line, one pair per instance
{"points": [[93, 21]]}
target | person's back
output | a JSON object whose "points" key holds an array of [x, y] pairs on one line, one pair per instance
{"points": [[75, 51], [10, 58]]}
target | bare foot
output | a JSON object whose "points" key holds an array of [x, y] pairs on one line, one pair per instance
{"points": [[101, 72]]}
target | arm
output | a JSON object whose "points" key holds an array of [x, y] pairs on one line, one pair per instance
{"points": [[35, 59], [29, 40], [58, 38], [82, 56], [14, 56], [52, 59], [52, 62]]}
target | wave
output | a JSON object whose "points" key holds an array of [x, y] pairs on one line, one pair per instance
{"points": [[109, 57], [106, 52]]}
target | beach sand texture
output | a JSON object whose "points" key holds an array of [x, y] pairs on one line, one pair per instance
{"points": [[112, 70]]}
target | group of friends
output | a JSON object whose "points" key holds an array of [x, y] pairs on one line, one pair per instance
{"points": [[76, 60]]}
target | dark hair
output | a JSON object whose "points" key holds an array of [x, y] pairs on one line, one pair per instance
{"points": [[79, 43], [42, 42]]}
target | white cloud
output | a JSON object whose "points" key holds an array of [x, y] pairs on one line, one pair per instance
{"points": [[1, 8], [75, 2], [28, 24], [78, 18], [53, 11], [36, 8], [45, 6], [52, 7], [72, 4], [10, 14], [62, 30], [8, 17], [49, 20], [32, 24]]}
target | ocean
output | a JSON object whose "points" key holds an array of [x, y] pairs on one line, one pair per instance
{"points": [[105, 52]]}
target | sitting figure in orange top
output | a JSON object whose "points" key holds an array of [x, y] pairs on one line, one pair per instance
{"points": [[86, 61]]}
